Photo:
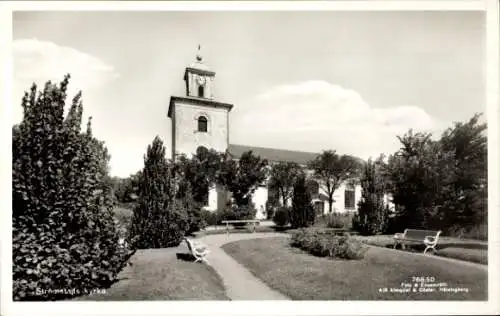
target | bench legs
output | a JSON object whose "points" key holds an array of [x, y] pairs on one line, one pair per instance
{"points": [[433, 247], [402, 244]]}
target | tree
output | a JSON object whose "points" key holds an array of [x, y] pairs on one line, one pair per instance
{"points": [[160, 219], [419, 173], [302, 214], [468, 145], [242, 177], [372, 217], [64, 235], [331, 170], [282, 179]]}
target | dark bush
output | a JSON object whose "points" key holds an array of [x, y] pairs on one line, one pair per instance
{"points": [[282, 216], [324, 244], [63, 227]]}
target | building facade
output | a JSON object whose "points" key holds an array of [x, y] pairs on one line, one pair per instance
{"points": [[198, 119]]}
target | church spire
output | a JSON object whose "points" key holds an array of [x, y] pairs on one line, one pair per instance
{"points": [[199, 58]]}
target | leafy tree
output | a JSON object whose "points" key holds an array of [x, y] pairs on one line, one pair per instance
{"points": [[242, 177], [372, 217], [331, 170], [466, 204], [418, 174], [282, 179], [302, 214], [64, 235], [160, 219]]}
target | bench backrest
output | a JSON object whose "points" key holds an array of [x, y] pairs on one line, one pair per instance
{"points": [[421, 234]]}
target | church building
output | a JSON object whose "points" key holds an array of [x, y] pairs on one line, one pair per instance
{"points": [[198, 119]]}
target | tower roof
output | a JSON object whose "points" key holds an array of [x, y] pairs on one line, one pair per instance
{"points": [[198, 64]]}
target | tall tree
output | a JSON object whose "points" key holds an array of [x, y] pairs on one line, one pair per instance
{"points": [[282, 179], [331, 170], [302, 213], [159, 220], [372, 217]]}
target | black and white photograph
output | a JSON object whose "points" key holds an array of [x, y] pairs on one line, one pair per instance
{"points": [[266, 155]]}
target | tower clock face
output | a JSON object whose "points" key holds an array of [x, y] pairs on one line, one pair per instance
{"points": [[201, 80]]}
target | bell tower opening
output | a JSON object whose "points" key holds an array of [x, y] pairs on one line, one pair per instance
{"points": [[201, 91]]}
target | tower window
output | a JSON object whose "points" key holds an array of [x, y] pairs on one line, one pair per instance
{"points": [[201, 91], [202, 124]]}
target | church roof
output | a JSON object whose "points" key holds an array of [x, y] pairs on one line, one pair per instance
{"points": [[273, 154]]}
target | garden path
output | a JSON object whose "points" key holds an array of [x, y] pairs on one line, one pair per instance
{"points": [[239, 282]]}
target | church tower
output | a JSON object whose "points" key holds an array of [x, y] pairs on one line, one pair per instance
{"points": [[197, 118]]}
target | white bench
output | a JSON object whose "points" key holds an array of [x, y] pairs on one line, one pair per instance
{"points": [[241, 221], [198, 250], [427, 237]]}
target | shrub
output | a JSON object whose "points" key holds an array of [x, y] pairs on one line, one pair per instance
{"points": [[478, 232], [282, 216], [338, 220], [63, 229], [210, 218], [160, 219], [323, 244]]}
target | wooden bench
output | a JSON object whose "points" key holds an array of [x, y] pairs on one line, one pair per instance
{"points": [[427, 237], [241, 221], [198, 250]]}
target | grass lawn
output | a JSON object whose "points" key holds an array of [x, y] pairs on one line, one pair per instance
{"points": [[461, 249], [302, 276], [158, 274]]}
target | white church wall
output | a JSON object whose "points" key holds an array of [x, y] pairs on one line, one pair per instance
{"points": [[259, 199], [339, 197], [187, 137], [212, 199]]}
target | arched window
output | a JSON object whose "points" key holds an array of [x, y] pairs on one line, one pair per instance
{"points": [[202, 124], [201, 91]]}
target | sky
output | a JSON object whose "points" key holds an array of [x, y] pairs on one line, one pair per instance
{"points": [[309, 81]]}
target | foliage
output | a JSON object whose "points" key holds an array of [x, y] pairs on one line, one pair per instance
{"points": [[282, 179], [339, 220], [160, 218], [235, 212], [373, 213], [64, 234], [242, 177], [302, 213], [209, 218], [331, 170], [320, 244], [200, 171], [126, 189], [441, 184], [282, 216]]}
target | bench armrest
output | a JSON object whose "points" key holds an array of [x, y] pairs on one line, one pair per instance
{"points": [[431, 238]]}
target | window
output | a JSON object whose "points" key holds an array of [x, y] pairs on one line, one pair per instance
{"points": [[201, 91], [349, 198], [202, 124]]}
